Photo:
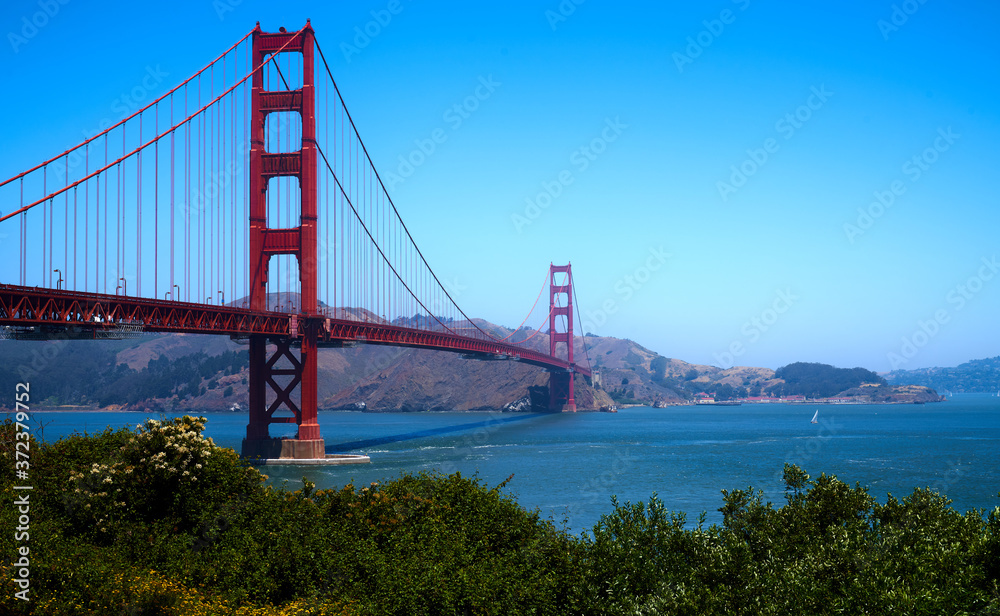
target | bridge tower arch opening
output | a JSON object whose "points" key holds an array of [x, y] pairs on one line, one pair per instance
{"points": [[282, 373], [561, 305]]}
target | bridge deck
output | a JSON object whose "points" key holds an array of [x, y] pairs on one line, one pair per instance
{"points": [[57, 311]]}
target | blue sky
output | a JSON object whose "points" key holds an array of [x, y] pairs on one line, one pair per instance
{"points": [[717, 172]]}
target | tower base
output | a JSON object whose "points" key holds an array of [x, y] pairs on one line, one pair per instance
{"points": [[561, 398], [284, 448]]}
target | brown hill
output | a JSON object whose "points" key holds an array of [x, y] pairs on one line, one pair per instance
{"points": [[378, 378], [381, 378]]}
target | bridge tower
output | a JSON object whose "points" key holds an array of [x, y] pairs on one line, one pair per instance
{"points": [[266, 242], [561, 383]]}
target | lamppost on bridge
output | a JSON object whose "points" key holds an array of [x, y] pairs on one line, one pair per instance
{"points": [[223, 301], [58, 282], [208, 300], [165, 294], [123, 286], [177, 295]]}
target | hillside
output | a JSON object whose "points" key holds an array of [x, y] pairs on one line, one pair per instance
{"points": [[183, 372], [976, 376]]}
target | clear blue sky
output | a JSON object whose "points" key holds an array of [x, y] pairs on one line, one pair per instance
{"points": [[633, 120]]}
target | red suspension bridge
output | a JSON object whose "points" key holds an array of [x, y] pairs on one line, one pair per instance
{"points": [[144, 227]]}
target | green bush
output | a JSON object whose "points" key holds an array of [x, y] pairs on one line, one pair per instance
{"points": [[164, 508], [831, 549]]}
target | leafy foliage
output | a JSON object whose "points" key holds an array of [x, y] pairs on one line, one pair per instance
{"points": [[166, 511], [160, 520], [815, 380], [831, 549]]}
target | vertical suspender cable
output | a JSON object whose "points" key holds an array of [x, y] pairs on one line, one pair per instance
{"points": [[86, 220], [211, 179], [138, 217], [187, 200], [75, 251], [156, 201], [118, 219], [24, 254], [173, 160], [65, 267], [201, 202], [103, 274], [46, 227]]}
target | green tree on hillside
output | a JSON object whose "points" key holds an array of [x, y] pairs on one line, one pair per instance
{"points": [[815, 380]]}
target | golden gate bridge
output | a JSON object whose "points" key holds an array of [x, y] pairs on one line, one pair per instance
{"points": [[248, 180]]}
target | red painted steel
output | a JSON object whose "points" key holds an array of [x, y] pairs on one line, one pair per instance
{"points": [[561, 384], [299, 241], [54, 310]]}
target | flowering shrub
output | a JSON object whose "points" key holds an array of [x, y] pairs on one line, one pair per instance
{"points": [[175, 448], [163, 469]]}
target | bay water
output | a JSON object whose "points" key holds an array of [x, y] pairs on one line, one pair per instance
{"points": [[569, 465]]}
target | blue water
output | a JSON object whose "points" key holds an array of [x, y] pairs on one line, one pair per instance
{"points": [[569, 465]]}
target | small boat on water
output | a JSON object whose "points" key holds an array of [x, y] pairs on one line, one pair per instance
{"points": [[815, 417]]}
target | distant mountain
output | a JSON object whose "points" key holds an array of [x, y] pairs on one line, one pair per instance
{"points": [[978, 375], [184, 372]]}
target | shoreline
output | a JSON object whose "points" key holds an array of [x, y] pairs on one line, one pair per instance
{"points": [[89, 409]]}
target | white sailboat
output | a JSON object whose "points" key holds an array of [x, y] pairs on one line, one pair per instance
{"points": [[815, 416]]}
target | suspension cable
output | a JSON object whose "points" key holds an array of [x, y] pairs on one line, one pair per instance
{"points": [[386, 192], [148, 143], [368, 233], [111, 128], [528, 316]]}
